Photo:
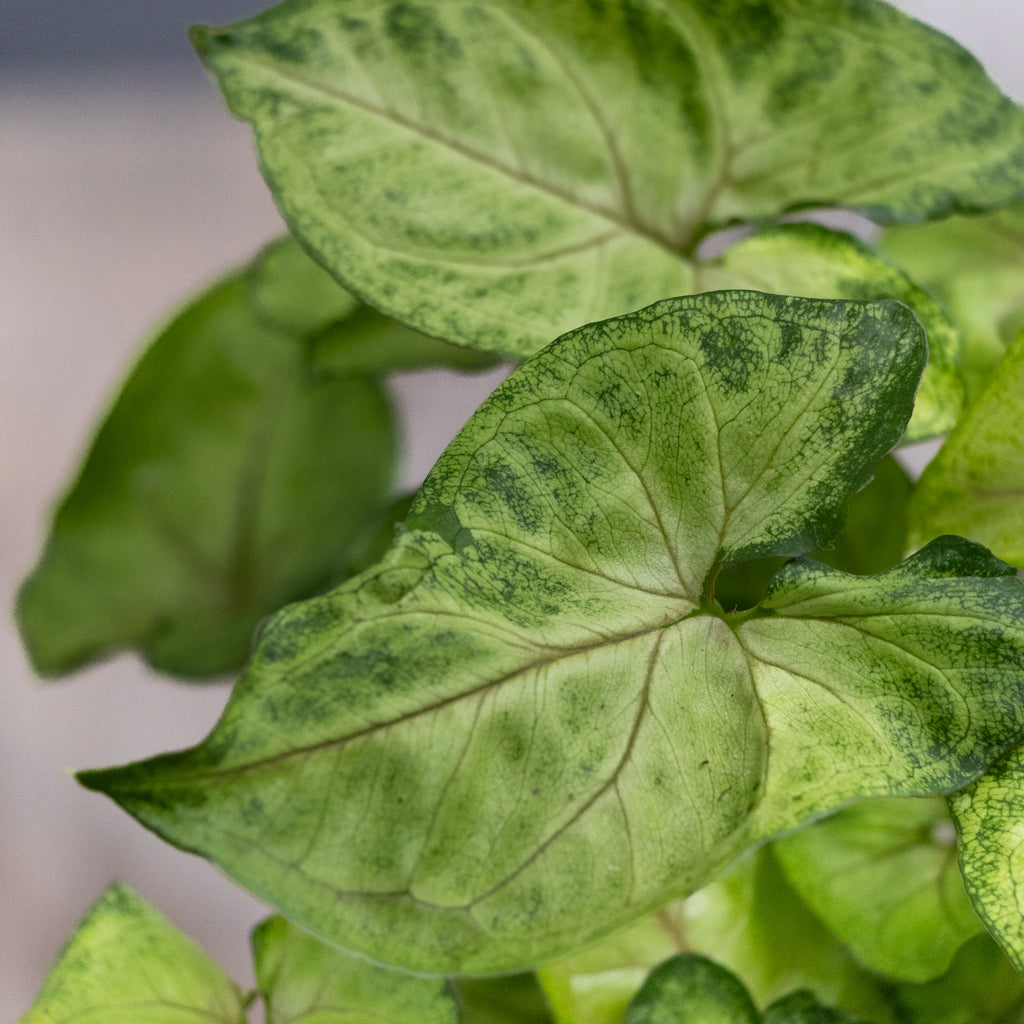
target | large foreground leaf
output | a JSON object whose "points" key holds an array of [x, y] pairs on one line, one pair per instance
{"points": [[531, 721], [975, 485], [495, 175], [127, 963]]}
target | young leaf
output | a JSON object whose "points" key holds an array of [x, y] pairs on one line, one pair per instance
{"points": [[975, 266], [127, 963], [304, 981], [989, 816], [226, 481], [530, 722], [975, 485], [497, 175], [690, 989], [883, 876]]}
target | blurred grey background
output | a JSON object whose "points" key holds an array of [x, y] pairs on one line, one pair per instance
{"points": [[124, 186]]}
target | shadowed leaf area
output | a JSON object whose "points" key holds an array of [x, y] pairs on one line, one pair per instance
{"points": [[531, 721]]}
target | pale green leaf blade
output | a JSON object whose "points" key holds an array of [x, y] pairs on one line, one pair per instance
{"points": [[981, 987], [689, 989], [596, 984], [536, 635], [809, 260], [497, 175], [989, 817], [752, 921], [226, 481], [975, 266], [883, 875], [127, 963], [305, 981], [975, 485]]}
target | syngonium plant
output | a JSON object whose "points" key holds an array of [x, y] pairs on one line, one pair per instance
{"points": [[614, 721]]}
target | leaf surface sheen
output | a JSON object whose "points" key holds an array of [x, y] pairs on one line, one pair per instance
{"points": [[496, 174], [528, 725]]}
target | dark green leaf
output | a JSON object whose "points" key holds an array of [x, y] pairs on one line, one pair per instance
{"points": [[125, 964], [226, 481], [497, 175], [507, 999], [458, 762]]}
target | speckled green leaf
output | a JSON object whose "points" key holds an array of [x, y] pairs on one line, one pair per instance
{"points": [[804, 1008], [125, 964], [883, 875], [305, 981], [226, 480], [530, 722], [975, 485], [689, 989], [805, 259], [497, 174], [975, 266], [989, 816]]}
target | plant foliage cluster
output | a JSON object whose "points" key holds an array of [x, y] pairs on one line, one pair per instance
{"points": [[668, 697]]}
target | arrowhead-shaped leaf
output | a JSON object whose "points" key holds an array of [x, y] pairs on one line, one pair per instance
{"points": [[127, 963], [975, 266], [495, 175], [883, 875], [975, 485], [304, 981], [531, 721]]}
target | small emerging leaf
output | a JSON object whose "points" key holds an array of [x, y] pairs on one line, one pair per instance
{"points": [[496, 175], [305, 981], [531, 722], [883, 876], [975, 485], [126, 963]]}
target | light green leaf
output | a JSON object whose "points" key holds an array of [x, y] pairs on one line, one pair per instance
{"points": [[595, 984], [975, 485], [981, 987], [691, 989], [495, 175], [305, 981], [752, 921], [531, 723], [226, 481], [805, 259], [127, 963], [989, 816], [883, 876], [975, 266]]}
